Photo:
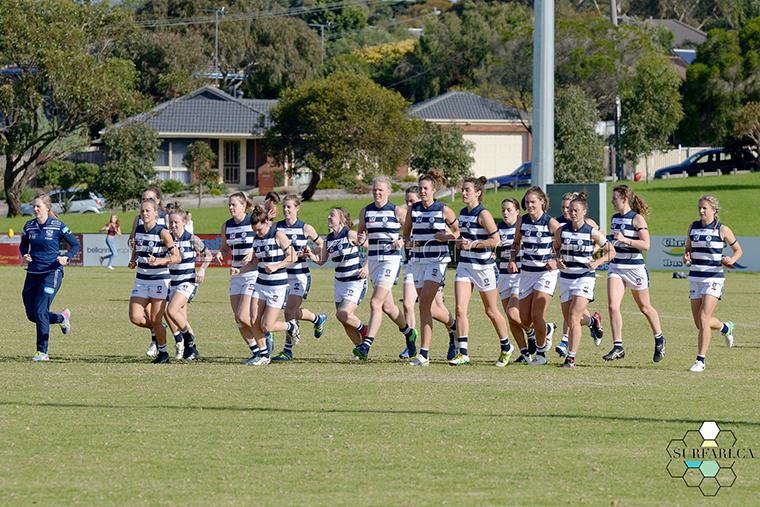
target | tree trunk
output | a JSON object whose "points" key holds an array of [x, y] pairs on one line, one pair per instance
{"points": [[200, 193], [15, 184], [309, 192]]}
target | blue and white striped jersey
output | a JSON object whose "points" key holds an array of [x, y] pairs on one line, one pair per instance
{"points": [[149, 243], [576, 249], [426, 222], [625, 256], [268, 251], [382, 229], [537, 242], [345, 255], [297, 237], [506, 239], [706, 252], [470, 229], [239, 239], [185, 270]]}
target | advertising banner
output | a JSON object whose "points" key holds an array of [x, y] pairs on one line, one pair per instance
{"points": [[666, 252], [9, 254]]}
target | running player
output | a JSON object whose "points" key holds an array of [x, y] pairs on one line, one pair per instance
{"points": [[538, 273], [704, 251], [425, 232], [477, 269], [627, 269], [341, 246], [40, 249], [299, 276], [155, 251], [379, 224], [184, 282], [574, 247]]}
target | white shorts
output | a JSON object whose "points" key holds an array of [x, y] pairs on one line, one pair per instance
{"points": [[635, 278], [187, 289], [509, 285], [706, 288], [540, 281], [299, 285], [582, 287], [353, 291], [434, 272], [385, 273], [243, 284], [273, 295], [409, 274], [151, 289], [483, 279]]}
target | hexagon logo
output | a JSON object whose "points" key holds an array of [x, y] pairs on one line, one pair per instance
{"points": [[704, 458]]}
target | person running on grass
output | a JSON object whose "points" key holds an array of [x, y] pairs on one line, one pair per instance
{"points": [[704, 251], [538, 273], [113, 229], [378, 231], [341, 246], [477, 269], [574, 245], [155, 251], [627, 269], [299, 276], [40, 249], [425, 232], [184, 282]]}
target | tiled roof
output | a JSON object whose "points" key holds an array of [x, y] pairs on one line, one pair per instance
{"points": [[463, 106], [685, 35], [209, 110]]}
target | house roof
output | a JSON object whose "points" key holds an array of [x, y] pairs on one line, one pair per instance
{"points": [[209, 110], [685, 35], [464, 106]]}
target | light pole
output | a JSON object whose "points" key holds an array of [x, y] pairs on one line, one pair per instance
{"points": [[323, 37], [216, 42]]}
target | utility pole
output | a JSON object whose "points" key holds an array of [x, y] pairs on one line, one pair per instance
{"points": [[322, 27], [216, 42]]}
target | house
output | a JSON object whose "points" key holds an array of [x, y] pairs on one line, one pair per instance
{"points": [[685, 42], [502, 142], [233, 128]]}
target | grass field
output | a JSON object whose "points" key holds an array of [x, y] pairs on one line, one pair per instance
{"points": [[99, 425], [673, 201]]}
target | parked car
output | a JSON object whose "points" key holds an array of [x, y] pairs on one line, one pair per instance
{"points": [[82, 201], [712, 161], [520, 177]]}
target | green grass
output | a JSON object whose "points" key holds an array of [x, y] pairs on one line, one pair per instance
{"points": [[99, 425], [673, 202]]}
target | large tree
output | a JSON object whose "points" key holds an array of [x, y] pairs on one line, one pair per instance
{"points": [[443, 148], [55, 83], [651, 108], [341, 127], [579, 150]]}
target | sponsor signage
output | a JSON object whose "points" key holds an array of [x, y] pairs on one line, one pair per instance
{"points": [[666, 252]]}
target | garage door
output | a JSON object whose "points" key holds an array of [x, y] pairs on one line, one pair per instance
{"points": [[497, 154]]}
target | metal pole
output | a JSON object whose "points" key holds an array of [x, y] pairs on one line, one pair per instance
{"points": [[543, 94], [216, 50]]}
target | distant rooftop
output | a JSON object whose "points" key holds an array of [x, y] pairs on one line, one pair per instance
{"points": [[463, 106], [685, 35]]}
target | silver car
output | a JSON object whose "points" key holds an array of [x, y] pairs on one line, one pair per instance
{"points": [[82, 201]]}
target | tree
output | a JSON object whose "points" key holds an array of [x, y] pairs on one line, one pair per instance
{"points": [[201, 160], [578, 149], [651, 108], [443, 148], [54, 83], [65, 174], [747, 126], [341, 127], [131, 149]]}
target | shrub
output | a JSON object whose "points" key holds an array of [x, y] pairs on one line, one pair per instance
{"points": [[279, 178], [172, 186], [215, 191], [409, 178], [395, 187], [207, 187], [27, 194], [326, 184]]}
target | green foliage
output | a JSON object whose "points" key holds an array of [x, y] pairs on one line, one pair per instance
{"points": [[27, 194], [201, 160], [65, 174], [724, 76], [578, 149], [409, 178], [352, 17], [172, 186], [63, 84], [327, 184], [747, 126], [651, 107], [215, 191], [131, 149], [221, 187], [279, 178], [443, 148], [341, 127]]}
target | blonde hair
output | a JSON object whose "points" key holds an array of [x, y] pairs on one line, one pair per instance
{"points": [[47, 202], [345, 217], [294, 199], [636, 202], [540, 194], [244, 199], [713, 202], [383, 179]]}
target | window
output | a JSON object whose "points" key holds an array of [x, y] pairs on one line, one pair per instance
{"points": [[179, 150], [162, 159]]}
